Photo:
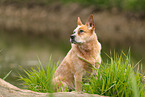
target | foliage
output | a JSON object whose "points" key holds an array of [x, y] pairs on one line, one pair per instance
{"points": [[117, 78], [127, 5], [40, 80]]}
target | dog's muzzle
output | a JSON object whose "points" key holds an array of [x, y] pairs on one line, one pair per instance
{"points": [[72, 39]]}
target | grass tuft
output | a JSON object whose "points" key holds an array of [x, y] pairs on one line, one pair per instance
{"points": [[116, 78], [40, 79]]}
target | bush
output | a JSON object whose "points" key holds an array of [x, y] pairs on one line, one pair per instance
{"points": [[40, 79], [127, 5], [116, 78]]}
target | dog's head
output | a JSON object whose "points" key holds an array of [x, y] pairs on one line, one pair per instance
{"points": [[83, 33]]}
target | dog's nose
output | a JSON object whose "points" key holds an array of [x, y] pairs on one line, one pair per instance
{"points": [[72, 36]]}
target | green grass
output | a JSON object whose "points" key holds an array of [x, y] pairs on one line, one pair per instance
{"points": [[117, 78], [7, 75], [40, 79]]}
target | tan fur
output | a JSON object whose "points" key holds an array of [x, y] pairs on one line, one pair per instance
{"points": [[84, 46]]}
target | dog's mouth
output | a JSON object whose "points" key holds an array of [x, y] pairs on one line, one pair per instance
{"points": [[74, 41]]}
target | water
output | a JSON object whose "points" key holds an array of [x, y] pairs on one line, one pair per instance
{"points": [[19, 50]]}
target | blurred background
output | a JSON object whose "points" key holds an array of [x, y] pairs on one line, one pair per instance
{"points": [[32, 29]]}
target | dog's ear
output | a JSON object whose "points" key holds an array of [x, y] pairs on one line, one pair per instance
{"points": [[79, 21], [90, 22]]}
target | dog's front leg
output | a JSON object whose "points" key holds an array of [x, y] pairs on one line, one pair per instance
{"points": [[78, 81]]}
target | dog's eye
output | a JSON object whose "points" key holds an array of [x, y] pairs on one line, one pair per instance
{"points": [[80, 31]]}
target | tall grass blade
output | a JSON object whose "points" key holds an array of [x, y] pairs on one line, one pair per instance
{"points": [[7, 75]]}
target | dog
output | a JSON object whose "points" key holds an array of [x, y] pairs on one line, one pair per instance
{"points": [[85, 50]]}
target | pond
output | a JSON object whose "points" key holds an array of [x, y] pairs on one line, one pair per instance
{"points": [[18, 50]]}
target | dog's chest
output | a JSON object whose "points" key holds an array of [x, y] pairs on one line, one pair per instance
{"points": [[81, 53], [82, 66]]}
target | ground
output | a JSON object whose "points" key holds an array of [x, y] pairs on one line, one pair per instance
{"points": [[8, 90]]}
